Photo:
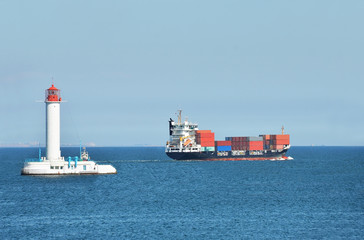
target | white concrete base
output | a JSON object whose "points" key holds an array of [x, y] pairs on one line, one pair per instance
{"points": [[47, 167]]}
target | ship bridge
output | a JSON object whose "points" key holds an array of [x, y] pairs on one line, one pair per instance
{"points": [[182, 135]]}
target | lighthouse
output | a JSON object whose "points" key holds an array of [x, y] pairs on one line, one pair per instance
{"points": [[53, 123], [53, 163]]}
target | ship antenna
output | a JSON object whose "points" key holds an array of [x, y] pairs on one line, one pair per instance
{"points": [[80, 149], [282, 130], [179, 116]]}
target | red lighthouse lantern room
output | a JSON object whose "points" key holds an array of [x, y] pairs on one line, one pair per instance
{"points": [[53, 94]]}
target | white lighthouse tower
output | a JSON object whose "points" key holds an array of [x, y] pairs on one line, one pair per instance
{"points": [[53, 123], [53, 163]]}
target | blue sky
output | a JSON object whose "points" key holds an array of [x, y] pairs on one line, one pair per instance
{"points": [[236, 67]]}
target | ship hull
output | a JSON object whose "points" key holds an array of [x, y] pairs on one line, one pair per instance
{"points": [[213, 156]]}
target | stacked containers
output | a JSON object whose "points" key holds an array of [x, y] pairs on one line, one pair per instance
{"points": [[246, 143], [236, 142], [278, 141], [255, 143], [223, 146], [275, 142], [266, 141], [206, 139]]}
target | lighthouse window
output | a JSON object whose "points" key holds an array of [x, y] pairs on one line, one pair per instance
{"points": [[52, 167], [57, 167]]}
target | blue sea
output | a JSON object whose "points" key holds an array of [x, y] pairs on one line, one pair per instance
{"points": [[318, 195]]}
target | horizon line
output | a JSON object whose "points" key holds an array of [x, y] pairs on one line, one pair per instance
{"points": [[71, 146]]}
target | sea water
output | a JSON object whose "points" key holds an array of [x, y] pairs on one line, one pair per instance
{"points": [[318, 195]]}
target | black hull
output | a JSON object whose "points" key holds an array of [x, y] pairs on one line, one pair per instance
{"points": [[212, 156]]}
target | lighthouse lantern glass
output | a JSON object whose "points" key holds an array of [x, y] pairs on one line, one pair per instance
{"points": [[53, 95]]}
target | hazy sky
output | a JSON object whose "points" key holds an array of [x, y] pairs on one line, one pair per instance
{"points": [[240, 68]]}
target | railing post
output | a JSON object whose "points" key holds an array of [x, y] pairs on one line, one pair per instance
{"points": [[69, 162]]}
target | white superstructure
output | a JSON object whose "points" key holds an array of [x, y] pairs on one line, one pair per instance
{"points": [[54, 163], [182, 136]]}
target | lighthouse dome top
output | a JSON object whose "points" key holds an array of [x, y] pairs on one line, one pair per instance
{"points": [[53, 94], [53, 88]]}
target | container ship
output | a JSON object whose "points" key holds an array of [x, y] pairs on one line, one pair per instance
{"points": [[187, 142]]}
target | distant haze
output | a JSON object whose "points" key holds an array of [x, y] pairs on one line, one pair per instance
{"points": [[239, 68]]}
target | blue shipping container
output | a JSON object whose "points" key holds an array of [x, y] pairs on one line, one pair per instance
{"points": [[223, 148]]}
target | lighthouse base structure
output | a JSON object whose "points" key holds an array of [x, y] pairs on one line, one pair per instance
{"points": [[61, 167]]}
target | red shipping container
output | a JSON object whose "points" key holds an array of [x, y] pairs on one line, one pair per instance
{"points": [[206, 135], [239, 139], [203, 140], [207, 139], [281, 142], [255, 145], [203, 131], [266, 137], [223, 143], [208, 144], [256, 148], [281, 137], [277, 147]]}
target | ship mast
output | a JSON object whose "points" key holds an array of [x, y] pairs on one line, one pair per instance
{"points": [[179, 116], [282, 130]]}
